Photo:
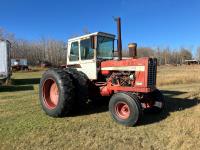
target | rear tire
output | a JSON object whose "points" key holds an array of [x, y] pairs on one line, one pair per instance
{"points": [[81, 82], [56, 93], [125, 108]]}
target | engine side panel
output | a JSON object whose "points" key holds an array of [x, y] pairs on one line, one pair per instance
{"points": [[137, 66]]}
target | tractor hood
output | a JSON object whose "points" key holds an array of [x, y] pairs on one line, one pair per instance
{"points": [[126, 64]]}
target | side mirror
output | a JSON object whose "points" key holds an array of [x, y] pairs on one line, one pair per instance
{"points": [[93, 39]]}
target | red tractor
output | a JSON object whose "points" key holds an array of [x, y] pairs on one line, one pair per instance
{"points": [[93, 71]]}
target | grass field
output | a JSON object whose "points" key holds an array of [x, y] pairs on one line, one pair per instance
{"points": [[23, 125]]}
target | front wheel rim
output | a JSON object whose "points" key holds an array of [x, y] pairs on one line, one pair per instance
{"points": [[122, 110], [50, 93]]}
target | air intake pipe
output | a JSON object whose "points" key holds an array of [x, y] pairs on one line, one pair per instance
{"points": [[132, 50]]}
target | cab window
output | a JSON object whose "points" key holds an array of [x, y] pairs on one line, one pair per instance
{"points": [[86, 49], [74, 52]]}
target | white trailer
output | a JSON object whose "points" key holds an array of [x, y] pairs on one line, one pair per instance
{"points": [[5, 63]]}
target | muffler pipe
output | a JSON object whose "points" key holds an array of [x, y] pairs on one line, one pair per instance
{"points": [[132, 50], [119, 42]]}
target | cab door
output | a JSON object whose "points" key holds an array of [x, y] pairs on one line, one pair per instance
{"points": [[88, 59], [83, 57]]}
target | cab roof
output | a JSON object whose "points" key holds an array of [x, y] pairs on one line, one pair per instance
{"points": [[88, 35]]}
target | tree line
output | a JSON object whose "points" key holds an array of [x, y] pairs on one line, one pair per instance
{"points": [[54, 51], [165, 55], [36, 52]]}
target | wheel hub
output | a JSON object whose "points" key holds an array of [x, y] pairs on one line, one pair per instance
{"points": [[50, 93], [122, 110], [54, 94]]}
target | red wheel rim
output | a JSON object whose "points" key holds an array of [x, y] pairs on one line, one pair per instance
{"points": [[122, 110], [50, 93]]}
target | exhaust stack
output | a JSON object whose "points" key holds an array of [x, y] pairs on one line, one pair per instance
{"points": [[119, 42]]}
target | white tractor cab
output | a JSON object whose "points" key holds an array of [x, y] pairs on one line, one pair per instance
{"points": [[85, 51]]}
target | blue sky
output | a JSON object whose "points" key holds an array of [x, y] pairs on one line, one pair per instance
{"points": [[172, 23]]}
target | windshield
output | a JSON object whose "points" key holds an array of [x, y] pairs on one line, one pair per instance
{"points": [[105, 47]]}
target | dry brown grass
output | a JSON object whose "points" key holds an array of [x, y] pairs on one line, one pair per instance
{"points": [[23, 125], [178, 75]]}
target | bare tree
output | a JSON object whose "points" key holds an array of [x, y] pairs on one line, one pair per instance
{"points": [[86, 31], [198, 53], [185, 54]]}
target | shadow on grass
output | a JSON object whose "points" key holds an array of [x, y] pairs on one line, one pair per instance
{"points": [[172, 105], [14, 88], [25, 81], [20, 85], [96, 106]]}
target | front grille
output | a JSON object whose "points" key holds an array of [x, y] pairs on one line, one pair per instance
{"points": [[152, 69]]}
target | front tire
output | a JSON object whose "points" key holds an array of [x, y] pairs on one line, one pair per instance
{"points": [[56, 93], [125, 109]]}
